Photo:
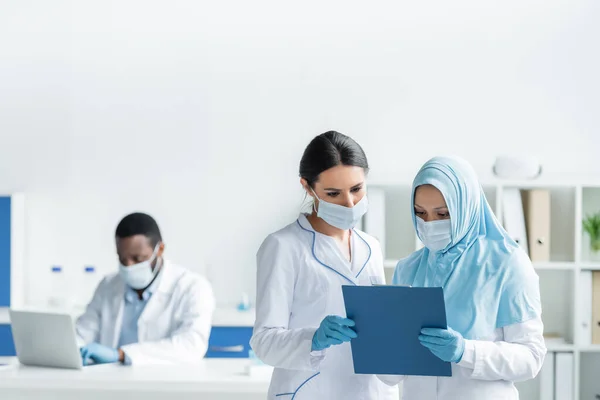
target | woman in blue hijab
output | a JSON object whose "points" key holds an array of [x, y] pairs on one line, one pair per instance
{"points": [[495, 332]]}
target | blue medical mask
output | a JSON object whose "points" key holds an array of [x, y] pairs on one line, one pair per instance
{"points": [[435, 235], [339, 216], [140, 275]]}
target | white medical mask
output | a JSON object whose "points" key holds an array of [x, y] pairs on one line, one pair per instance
{"points": [[339, 216], [435, 235], [140, 275]]}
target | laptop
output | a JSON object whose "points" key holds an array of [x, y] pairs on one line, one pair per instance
{"points": [[45, 339]]}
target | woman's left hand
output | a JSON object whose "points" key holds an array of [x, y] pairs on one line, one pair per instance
{"points": [[447, 344]]}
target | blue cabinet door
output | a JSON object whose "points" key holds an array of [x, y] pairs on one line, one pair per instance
{"points": [[7, 347], [4, 251], [229, 342]]}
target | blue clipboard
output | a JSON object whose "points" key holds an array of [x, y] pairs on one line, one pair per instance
{"points": [[388, 322]]}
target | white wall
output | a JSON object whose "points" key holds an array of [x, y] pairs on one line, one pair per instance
{"points": [[198, 112]]}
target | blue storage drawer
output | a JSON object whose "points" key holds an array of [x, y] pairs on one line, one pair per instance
{"points": [[229, 342], [7, 347]]}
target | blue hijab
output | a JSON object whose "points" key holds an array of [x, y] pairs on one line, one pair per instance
{"points": [[488, 280]]}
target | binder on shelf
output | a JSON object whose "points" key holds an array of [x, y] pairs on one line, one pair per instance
{"points": [[584, 328], [596, 307], [563, 376], [536, 206], [513, 217], [374, 220], [547, 378], [554, 339]]}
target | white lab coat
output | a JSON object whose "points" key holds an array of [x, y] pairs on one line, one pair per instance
{"points": [[173, 328], [488, 367], [299, 280]]}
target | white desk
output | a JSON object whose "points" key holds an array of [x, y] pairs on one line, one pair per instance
{"points": [[217, 379]]}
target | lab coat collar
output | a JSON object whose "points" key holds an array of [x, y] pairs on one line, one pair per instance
{"points": [[168, 280], [167, 285], [162, 293], [303, 221], [333, 259]]}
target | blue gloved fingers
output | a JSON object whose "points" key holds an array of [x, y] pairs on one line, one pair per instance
{"points": [[449, 349], [434, 340], [348, 333], [436, 332], [344, 330], [427, 341], [84, 351], [434, 349], [340, 320], [351, 333], [333, 330], [341, 325], [85, 355], [318, 345], [325, 344], [331, 333]]}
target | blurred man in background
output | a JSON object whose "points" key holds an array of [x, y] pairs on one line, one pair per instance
{"points": [[151, 311]]}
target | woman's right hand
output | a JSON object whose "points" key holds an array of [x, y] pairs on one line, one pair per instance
{"points": [[332, 331]]}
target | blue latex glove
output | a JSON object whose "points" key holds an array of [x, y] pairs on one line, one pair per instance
{"points": [[446, 344], [98, 354], [332, 331]]}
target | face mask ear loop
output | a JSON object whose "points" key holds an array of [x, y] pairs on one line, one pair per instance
{"points": [[155, 255], [314, 202]]}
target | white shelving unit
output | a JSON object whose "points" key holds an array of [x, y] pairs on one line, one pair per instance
{"points": [[569, 255]]}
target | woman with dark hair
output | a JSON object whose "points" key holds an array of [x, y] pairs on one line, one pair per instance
{"points": [[300, 326]]}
